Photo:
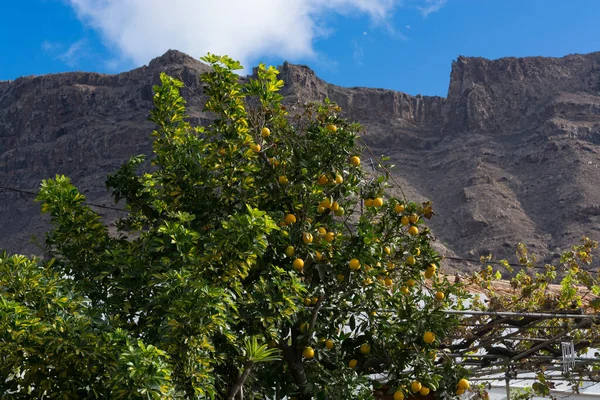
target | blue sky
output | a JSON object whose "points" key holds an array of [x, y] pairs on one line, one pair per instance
{"points": [[405, 45]]}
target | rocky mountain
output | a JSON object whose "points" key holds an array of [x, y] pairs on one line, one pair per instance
{"points": [[510, 155]]}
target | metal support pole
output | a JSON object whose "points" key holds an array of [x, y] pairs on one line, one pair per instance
{"points": [[507, 379]]}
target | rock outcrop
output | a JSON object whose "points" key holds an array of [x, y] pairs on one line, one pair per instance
{"points": [[511, 155], [515, 94]]}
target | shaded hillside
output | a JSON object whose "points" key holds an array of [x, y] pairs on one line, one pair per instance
{"points": [[511, 155]]}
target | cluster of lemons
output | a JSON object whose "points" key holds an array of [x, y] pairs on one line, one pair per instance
{"points": [[407, 219], [417, 387]]}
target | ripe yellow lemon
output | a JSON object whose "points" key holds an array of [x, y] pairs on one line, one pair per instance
{"points": [[323, 180], [329, 237], [429, 337], [303, 327], [440, 295], [411, 282], [413, 230], [398, 395], [404, 290], [377, 202], [368, 202], [339, 179], [388, 282], [353, 363], [308, 352], [290, 219], [331, 128], [329, 344], [265, 132], [298, 264], [355, 160], [399, 208], [387, 250], [335, 206], [255, 147], [415, 386], [424, 391], [411, 260], [365, 348], [307, 301], [430, 271], [404, 220], [413, 218], [459, 392], [314, 300], [463, 384], [289, 251], [322, 231], [354, 264], [307, 238], [283, 180]]}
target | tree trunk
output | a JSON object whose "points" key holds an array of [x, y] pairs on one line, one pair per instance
{"points": [[293, 356], [239, 383]]}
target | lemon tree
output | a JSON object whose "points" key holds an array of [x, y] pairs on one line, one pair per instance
{"points": [[258, 259]]}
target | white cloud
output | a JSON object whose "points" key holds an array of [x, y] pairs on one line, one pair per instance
{"points": [[431, 6], [49, 46], [71, 55], [358, 53], [140, 30], [74, 53]]}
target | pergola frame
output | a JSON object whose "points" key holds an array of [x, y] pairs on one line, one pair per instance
{"points": [[492, 338]]}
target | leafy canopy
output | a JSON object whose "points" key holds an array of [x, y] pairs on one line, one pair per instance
{"points": [[258, 257]]}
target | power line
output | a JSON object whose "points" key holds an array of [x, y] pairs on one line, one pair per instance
{"points": [[470, 260], [27, 192]]}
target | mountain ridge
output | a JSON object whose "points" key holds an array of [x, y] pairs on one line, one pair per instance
{"points": [[513, 136]]}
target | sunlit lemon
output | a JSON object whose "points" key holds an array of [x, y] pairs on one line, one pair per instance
{"points": [[308, 352], [429, 337], [298, 264], [415, 386]]}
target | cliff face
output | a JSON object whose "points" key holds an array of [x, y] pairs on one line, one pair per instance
{"points": [[364, 104], [510, 155], [517, 94]]}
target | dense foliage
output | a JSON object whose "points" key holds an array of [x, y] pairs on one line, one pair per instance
{"points": [[258, 260]]}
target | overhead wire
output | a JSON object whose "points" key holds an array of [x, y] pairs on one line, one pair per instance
{"points": [[27, 192], [453, 258]]}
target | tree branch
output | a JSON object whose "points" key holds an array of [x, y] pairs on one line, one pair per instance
{"points": [[239, 383]]}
